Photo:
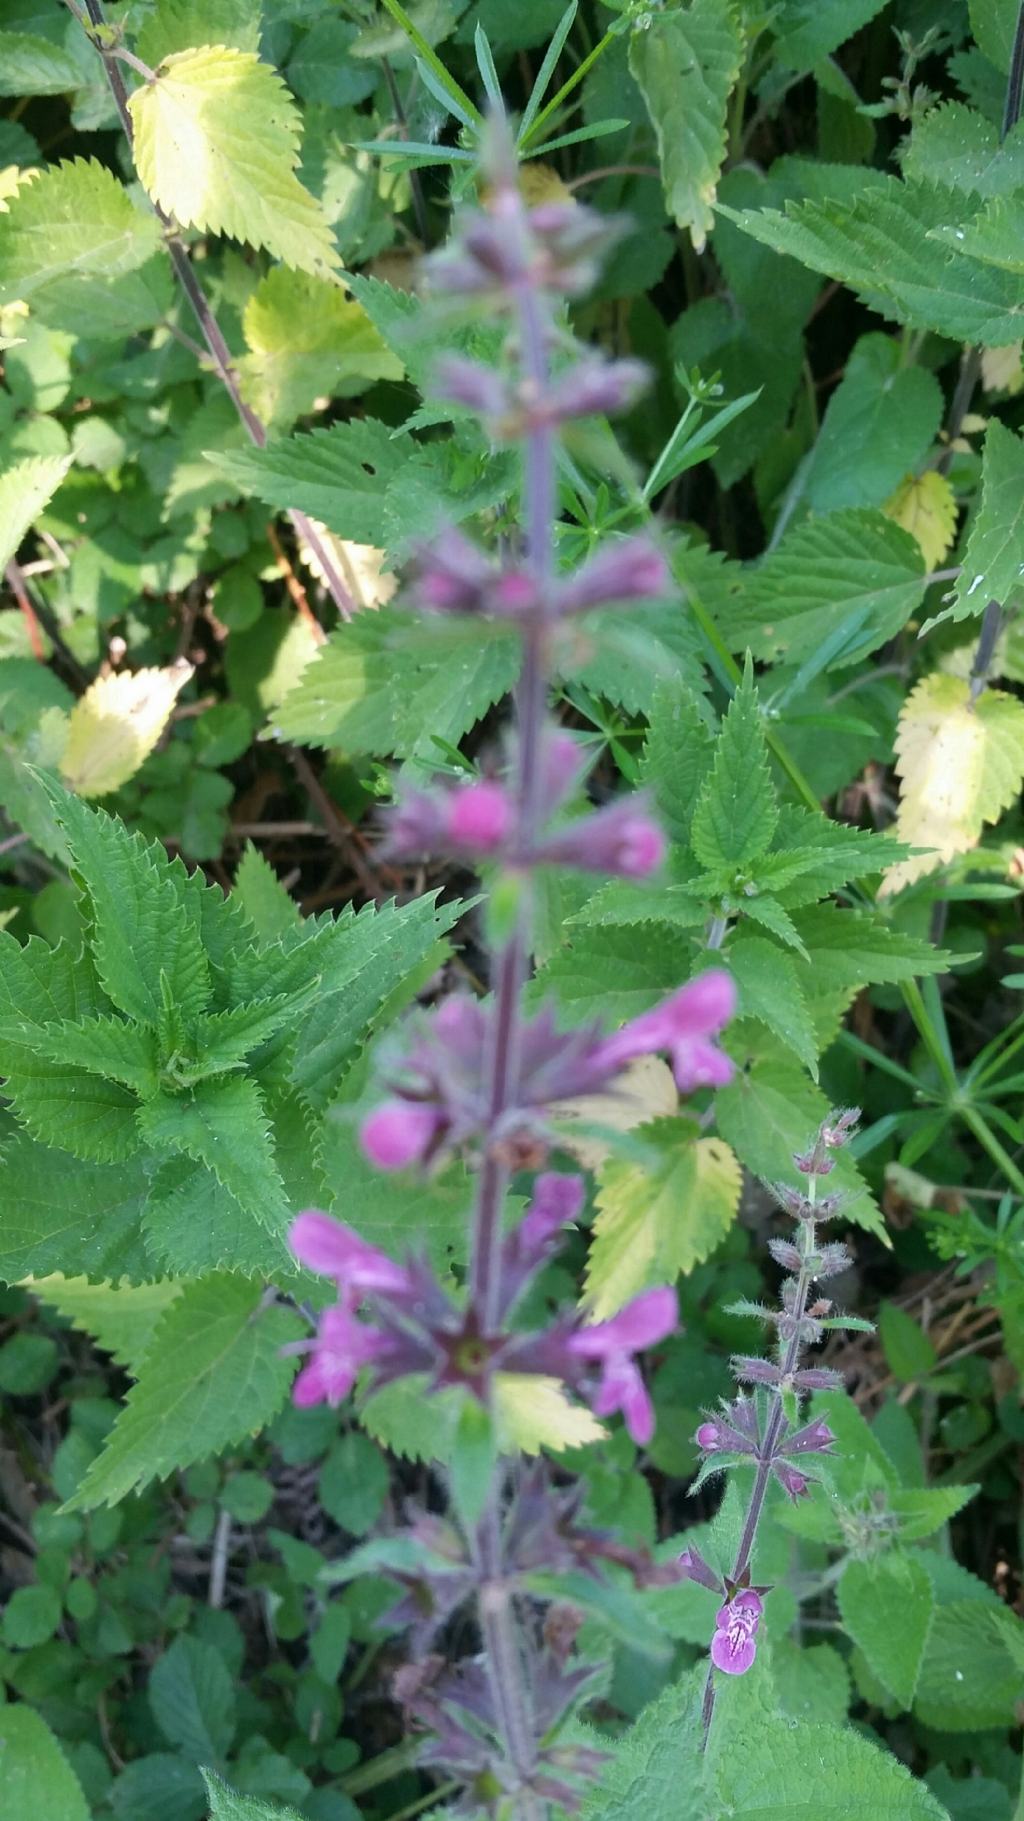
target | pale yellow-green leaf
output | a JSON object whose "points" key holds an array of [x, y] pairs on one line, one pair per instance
{"points": [[925, 505], [10, 177], [961, 764], [216, 146], [308, 343], [116, 725], [362, 567], [659, 1219], [645, 1090], [1001, 368], [120, 1318], [24, 490], [535, 1412]]}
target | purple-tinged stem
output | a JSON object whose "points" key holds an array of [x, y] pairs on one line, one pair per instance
{"points": [[210, 329], [772, 1433]]}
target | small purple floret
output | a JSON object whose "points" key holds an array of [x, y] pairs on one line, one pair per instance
{"points": [[734, 1646]]}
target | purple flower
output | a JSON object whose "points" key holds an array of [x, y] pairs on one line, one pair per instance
{"points": [[592, 386], [399, 1133], [734, 1646], [633, 569], [813, 1438], [556, 1203], [452, 575], [612, 1344], [695, 1568], [619, 840], [708, 1439], [470, 383], [343, 1346], [794, 1483], [467, 821], [682, 1026], [327, 1246], [479, 816]]}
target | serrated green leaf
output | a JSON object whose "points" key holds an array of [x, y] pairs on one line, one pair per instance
{"points": [[221, 1040], [194, 1226], [102, 1046], [81, 1113], [769, 1111], [262, 897], [957, 147], [880, 423], [820, 856], [222, 1124], [870, 1594], [993, 561], [853, 568], [213, 1374], [736, 811], [181, 25], [643, 1775], [627, 656], [192, 1699], [38, 1780], [922, 1510], [881, 244], [685, 64], [58, 1213], [139, 937], [678, 754], [661, 1219], [387, 684], [227, 1804], [44, 985], [72, 221], [770, 990], [120, 1318], [971, 1675], [397, 1216], [307, 340], [24, 491], [34, 65], [807, 31], [849, 948], [993, 22], [216, 139], [336, 475], [612, 975]]}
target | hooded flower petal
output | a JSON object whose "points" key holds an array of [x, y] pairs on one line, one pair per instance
{"points": [[328, 1246], [733, 1646]]}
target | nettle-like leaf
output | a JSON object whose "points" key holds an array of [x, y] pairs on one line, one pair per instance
{"points": [[993, 564], [222, 1124], [37, 1775], [116, 724], [212, 1375], [809, 30], [72, 223], [24, 491], [337, 476], [120, 1318], [957, 147], [960, 762], [686, 63], [660, 1218], [880, 423], [216, 145], [179, 25], [970, 1678], [61, 1213], [307, 341], [851, 579], [736, 811], [389, 684], [869, 1593], [227, 1804], [884, 243]]}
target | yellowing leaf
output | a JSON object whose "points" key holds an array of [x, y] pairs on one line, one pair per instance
{"points": [[1001, 368], [541, 183], [307, 342], [116, 725], [643, 1091], [925, 505], [216, 145], [961, 764], [535, 1412], [361, 565], [659, 1219]]}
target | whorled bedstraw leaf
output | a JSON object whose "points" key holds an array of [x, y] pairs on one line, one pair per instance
{"points": [[216, 146], [925, 505], [307, 341], [212, 1375], [960, 765], [116, 724], [72, 220], [24, 490], [736, 811], [993, 564], [660, 1218], [685, 64]]}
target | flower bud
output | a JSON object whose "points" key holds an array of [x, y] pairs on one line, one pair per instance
{"points": [[794, 1483], [617, 840], [631, 570], [470, 383], [590, 387]]}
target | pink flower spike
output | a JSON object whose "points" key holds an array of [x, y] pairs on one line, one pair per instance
{"points": [[480, 816], [327, 1246], [734, 1646], [398, 1133]]}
